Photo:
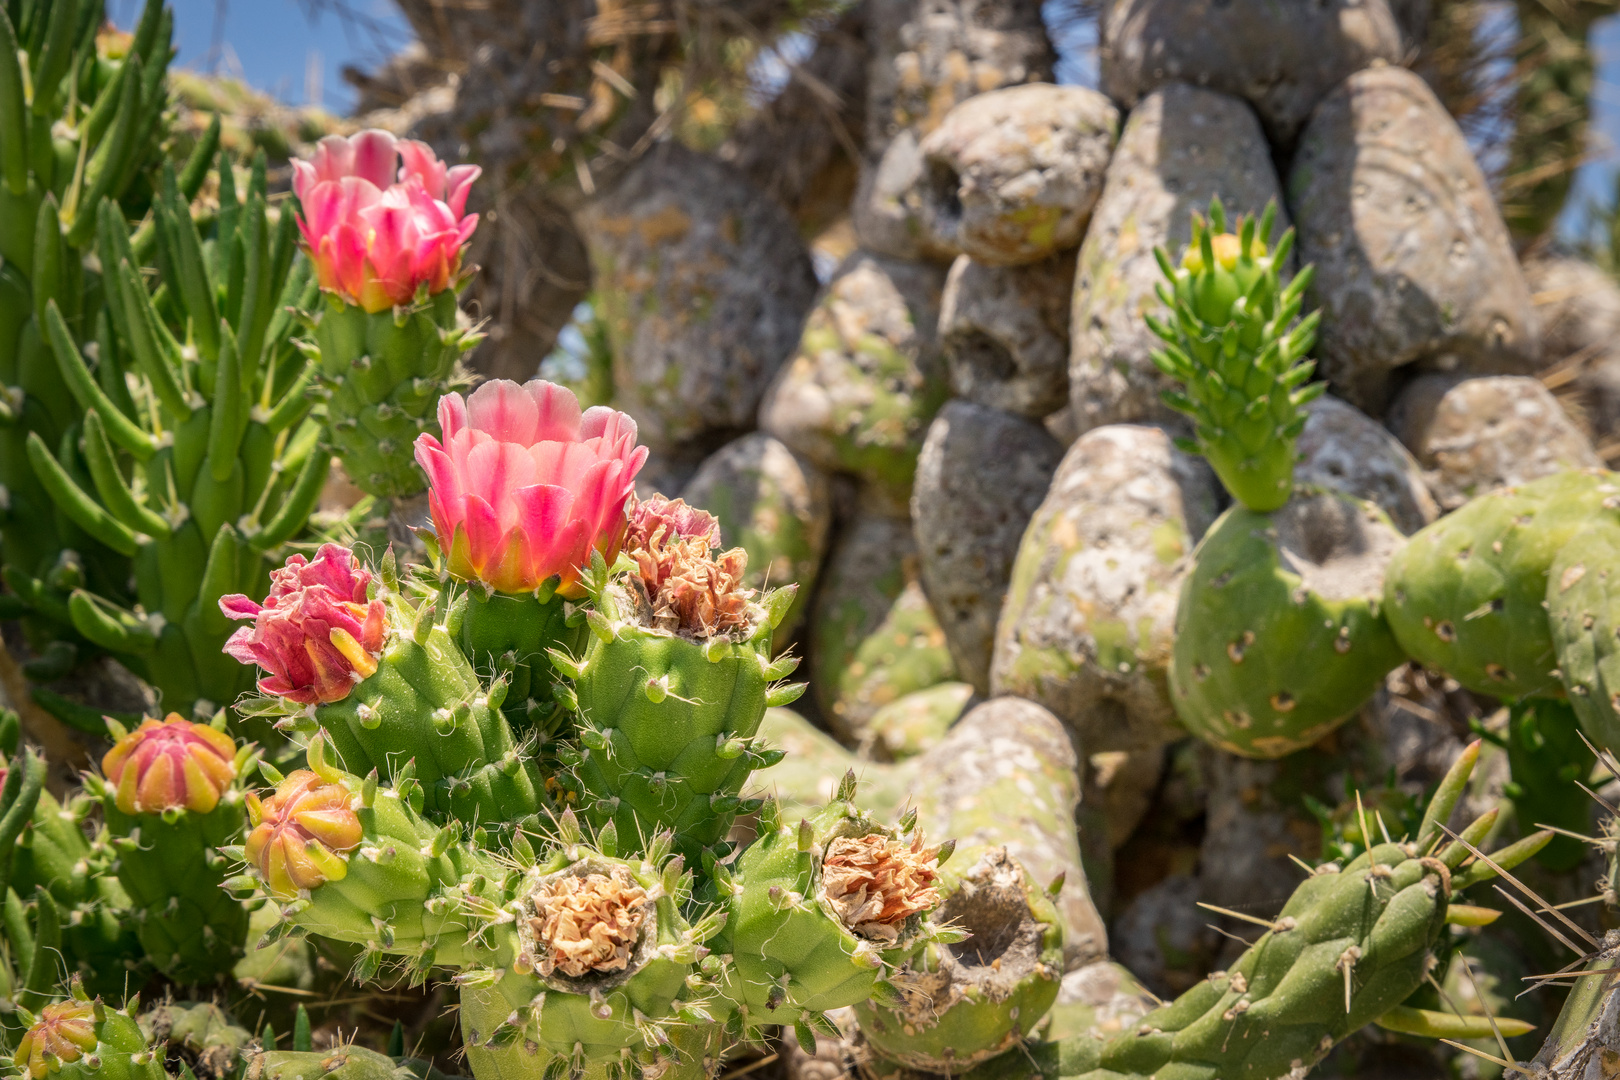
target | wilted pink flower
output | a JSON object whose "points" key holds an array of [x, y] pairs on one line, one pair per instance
{"points": [[316, 634], [377, 228], [524, 486]]}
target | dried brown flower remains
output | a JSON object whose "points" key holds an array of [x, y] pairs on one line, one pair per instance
{"points": [[875, 883], [690, 589], [589, 923]]}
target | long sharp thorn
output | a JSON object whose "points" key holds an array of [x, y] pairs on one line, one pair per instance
{"points": [[1600, 800], [1492, 1058], [1543, 923], [1361, 818], [1347, 976], [1310, 871], [1501, 1043], [1488, 861], [1255, 919], [1566, 832], [1378, 817]]}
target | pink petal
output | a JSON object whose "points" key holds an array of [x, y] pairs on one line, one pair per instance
{"points": [[237, 606], [483, 532], [600, 421], [494, 470], [239, 646], [502, 408], [557, 412], [442, 475], [375, 156], [561, 463], [458, 183], [418, 160], [543, 511], [452, 414]]}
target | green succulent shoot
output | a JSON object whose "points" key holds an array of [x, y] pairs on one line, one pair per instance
{"points": [[1233, 344]]}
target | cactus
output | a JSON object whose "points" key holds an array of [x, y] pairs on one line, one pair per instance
{"points": [[81, 116], [1581, 608], [523, 488], [673, 684], [1232, 344], [200, 1034], [967, 1003], [1468, 594], [1549, 761], [352, 659], [170, 800], [224, 471], [1266, 589], [1347, 949], [80, 1039], [383, 222]]}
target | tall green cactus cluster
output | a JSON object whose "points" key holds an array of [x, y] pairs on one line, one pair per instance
{"points": [[81, 120]]}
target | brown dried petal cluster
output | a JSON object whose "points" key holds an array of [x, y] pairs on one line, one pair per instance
{"points": [[589, 923], [689, 589], [875, 883]]}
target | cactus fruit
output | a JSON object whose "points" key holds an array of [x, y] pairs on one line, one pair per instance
{"points": [[224, 470], [351, 658], [80, 1039], [81, 117], [383, 223], [1582, 608], [170, 801], [821, 913], [523, 488], [1231, 343], [1349, 946], [1469, 594], [1266, 590], [673, 684], [968, 1002]]}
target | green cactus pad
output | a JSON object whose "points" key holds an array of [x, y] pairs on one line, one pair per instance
{"points": [[1232, 344], [1468, 595], [1583, 604], [385, 374], [1279, 636], [1549, 760], [791, 954], [510, 637], [968, 1002], [668, 721]]}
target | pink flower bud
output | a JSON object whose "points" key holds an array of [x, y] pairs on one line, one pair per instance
{"points": [[382, 216], [316, 633], [170, 764], [524, 486], [63, 1034]]}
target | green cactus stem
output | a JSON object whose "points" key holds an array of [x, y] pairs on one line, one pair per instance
{"points": [[1469, 594], [1232, 344], [80, 123], [1347, 949], [227, 465], [1583, 602], [511, 635], [1549, 761], [1266, 591]]}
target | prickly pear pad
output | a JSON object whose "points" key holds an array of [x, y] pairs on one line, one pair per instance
{"points": [[968, 1002], [793, 953], [1468, 594], [1278, 633], [1583, 607]]}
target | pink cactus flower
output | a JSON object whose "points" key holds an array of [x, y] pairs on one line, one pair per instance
{"points": [[524, 486], [316, 634], [170, 763], [376, 228]]}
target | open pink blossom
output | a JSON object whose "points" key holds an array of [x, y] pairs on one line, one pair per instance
{"points": [[378, 228], [316, 633], [524, 486]]}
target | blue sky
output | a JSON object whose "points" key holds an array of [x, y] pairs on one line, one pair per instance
{"points": [[276, 44]]}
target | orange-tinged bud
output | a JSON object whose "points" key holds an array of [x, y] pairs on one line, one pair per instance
{"points": [[63, 1034], [1227, 249], [302, 834], [170, 764]]}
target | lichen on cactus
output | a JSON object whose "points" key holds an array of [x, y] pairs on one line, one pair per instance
{"points": [[524, 486], [1469, 594], [673, 683], [1232, 343], [226, 468], [346, 655], [1265, 591], [383, 221], [170, 799]]}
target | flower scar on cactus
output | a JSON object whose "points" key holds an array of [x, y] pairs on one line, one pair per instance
{"points": [[672, 683], [1229, 343], [350, 657], [585, 922], [876, 882], [524, 489], [171, 800], [384, 223]]}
